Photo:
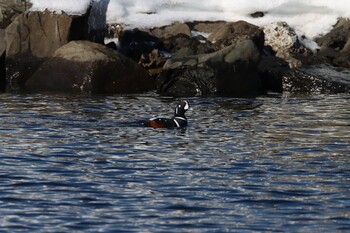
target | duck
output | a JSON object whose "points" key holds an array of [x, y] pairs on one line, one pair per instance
{"points": [[179, 119]]}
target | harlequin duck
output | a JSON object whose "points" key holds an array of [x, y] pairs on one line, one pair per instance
{"points": [[178, 121]]}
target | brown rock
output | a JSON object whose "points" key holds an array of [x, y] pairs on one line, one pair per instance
{"points": [[38, 33], [172, 30], [33, 37], [86, 67], [343, 60], [223, 34], [337, 37]]}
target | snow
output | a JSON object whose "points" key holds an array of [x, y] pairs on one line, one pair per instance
{"points": [[307, 17], [72, 7]]}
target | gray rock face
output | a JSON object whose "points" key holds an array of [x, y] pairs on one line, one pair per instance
{"points": [[34, 36], [317, 79], [86, 67], [38, 33], [231, 71]]}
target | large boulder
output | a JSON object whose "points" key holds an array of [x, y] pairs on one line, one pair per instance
{"points": [[337, 37], [86, 67], [33, 37], [183, 45], [343, 59], [285, 43], [231, 71], [2, 60], [314, 79], [335, 45], [171, 30], [271, 70], [38, 33], [223, 34]]}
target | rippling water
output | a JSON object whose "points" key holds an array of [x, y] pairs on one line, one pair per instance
{"points": [[84, 164]]}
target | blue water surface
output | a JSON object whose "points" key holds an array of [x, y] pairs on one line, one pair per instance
{"points": [[85, 164]]}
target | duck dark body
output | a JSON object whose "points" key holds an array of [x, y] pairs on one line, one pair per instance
{"points": [[178, 121]]}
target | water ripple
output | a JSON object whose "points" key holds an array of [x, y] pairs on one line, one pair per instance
{"points": [[84, 164]]}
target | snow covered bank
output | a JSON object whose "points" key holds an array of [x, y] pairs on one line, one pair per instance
{"points": [[308, 17]]}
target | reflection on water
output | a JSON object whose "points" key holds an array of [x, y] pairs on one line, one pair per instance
{"points": [[72, 163]]}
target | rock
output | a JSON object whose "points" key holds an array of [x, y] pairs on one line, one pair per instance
{"points": [[9, 10], [2, 60], [271, 70], [231, 71], [135, 43], [343, 59], [96, 21], [153, 62], [284, 41], [86, 67], [224, 34], [208, 27], [171, 30], [258, 14], [38, 33], [323, 79], [335, 45], [337, 37], [183, 45], [2, 42], [34, 36]]}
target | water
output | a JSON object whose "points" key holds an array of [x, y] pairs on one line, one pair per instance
{"points": [[83, 164]]}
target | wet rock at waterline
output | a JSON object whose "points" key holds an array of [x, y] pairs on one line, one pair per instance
{"points": [[317, 79], [33, 37], [86, 67], [231, 71]]}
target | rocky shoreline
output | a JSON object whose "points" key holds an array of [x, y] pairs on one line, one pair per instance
{"points": [[56, 52]]}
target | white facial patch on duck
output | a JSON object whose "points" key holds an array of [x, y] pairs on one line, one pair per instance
{"points": [[186, 107]]}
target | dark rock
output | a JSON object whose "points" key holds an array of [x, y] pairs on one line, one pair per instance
{"points": [[324, 79], [343, 59], [86, 67], [135, 43], [271, 70], [183, 45], [97, 24], [258, 14], [187, 81], [231, 71], [335, 45]]}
